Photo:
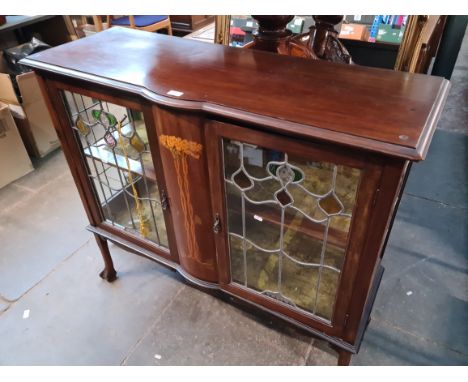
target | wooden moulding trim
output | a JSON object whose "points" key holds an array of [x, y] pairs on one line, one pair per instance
{"points": [[369, 259], [368, 307], [150, 255], [436, 111], [298, 129], [133, 238]]}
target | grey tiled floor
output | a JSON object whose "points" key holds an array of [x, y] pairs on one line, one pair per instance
{"points": [[49, 266]]}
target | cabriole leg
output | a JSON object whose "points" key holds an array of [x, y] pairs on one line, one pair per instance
{"points": [[108, 273]]}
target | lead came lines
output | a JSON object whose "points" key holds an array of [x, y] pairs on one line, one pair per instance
{"points": [[93, 148], [284, 174]]}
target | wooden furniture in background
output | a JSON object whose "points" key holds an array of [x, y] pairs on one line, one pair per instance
{"points": [[20, 29], [98, 24], [80, 26], [71, 28], [420, 43], [149, 23], [185, 24], [202, 162], [272, 35], [222, 30], [320, 43]]}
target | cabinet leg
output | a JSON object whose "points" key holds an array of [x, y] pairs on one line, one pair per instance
{"points": [[108, 273], [344, 357]]}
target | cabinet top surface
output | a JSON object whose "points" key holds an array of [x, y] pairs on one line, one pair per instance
{"points": [[382, 110]]}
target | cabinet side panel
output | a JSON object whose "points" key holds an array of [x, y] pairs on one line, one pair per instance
{"points": [[386, 204], [183, 154]]}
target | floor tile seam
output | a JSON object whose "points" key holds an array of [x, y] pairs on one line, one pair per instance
{"points": [[46, 276], [308, 351], [133, 348], [461, 131], [405, 270], [31, 193], [58, 178], [435, 201], [419, 337], [21, 187], [449, 131], [5, 310]]}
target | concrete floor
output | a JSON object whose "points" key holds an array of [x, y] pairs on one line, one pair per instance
{"points": [[49, 266]]}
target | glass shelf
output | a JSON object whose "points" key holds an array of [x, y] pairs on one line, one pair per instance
{"points": [[101, 152]]}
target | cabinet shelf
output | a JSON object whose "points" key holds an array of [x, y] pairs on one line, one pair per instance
{"points": [[307, 227], [101, 153]]}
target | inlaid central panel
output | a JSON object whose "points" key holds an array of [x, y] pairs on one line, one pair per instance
{"points": [[288, 224]]}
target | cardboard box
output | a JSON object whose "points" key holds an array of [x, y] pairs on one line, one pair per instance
{"points": [[36, 127], [354, 32], [14, 160]]}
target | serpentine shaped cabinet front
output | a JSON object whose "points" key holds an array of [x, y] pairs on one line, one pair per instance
{"points": [[284, 199], [110, 143]]}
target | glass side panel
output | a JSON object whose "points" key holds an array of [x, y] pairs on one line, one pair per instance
{"points": [[114, 144], [288, 224]]}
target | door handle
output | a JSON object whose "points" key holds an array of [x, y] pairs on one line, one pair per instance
{"points": [[164, 201]]}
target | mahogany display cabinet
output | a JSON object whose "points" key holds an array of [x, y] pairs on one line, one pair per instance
{"points": [[273, 179]]}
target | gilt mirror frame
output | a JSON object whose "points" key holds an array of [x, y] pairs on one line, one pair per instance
{"points": [[408, 52]]}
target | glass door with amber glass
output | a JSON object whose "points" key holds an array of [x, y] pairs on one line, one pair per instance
{"points": [[288, 211], [114, 145]]}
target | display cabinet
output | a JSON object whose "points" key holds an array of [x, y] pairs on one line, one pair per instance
{"points": [[274, 179]]}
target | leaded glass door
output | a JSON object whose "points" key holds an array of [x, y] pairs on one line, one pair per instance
{"points": [[113, 141], [287, 210]]}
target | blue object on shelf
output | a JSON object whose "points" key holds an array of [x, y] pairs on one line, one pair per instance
{"points": [[140, 21]]}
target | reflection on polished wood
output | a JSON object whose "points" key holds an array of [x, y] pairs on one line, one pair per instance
{"points": [[320, 43]]}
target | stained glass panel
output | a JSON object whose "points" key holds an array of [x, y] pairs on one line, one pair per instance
{"points": [[288, 224], [114, 144]]}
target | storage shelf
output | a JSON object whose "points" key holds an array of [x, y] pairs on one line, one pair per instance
{"points": [[102, 154], [307, 227]]}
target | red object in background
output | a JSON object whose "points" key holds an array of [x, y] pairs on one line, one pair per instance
{"points": [[236, 31], [2, 20]]}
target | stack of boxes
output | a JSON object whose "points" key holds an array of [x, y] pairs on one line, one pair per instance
{"points": [[25, 127], [384, 28], [14, 160]]}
